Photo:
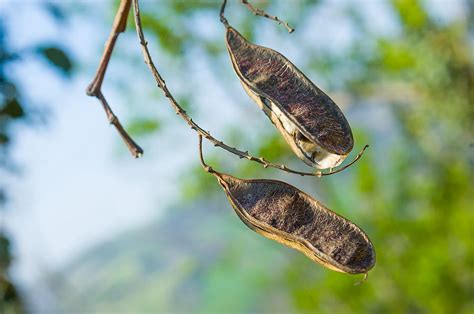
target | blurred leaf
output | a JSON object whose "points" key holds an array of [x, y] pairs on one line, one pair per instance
{"points": [[143, 126], [274, 148], [57, 57], [396, 57], [7, 90], [5, 252], [169, 38], [187, 7], [4, 138], [13, 109], [411, 13]]}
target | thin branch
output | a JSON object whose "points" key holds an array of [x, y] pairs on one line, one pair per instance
{"points": [[182, 113], [94, 88], [201, 157], [131, 145], [260, 12], [120, 23], [221, 14]]}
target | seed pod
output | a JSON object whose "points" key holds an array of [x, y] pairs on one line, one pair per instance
{"points": [[311, 123], [285, 214]]}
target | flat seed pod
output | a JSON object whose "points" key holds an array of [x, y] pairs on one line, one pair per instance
{"points": [[285, 214], [311, 123]]}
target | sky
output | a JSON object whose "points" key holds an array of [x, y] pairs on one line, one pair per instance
{"points": [[78, 186]]}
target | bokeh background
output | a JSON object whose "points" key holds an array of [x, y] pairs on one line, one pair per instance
{"points": [[85, 228]]}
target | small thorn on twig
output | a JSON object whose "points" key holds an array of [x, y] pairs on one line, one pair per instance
{"points": [[113, 119]]}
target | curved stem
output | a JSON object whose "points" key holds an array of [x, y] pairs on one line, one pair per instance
{"points": [[201, 157]]}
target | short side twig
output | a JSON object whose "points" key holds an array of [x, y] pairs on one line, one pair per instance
{"points": [[201, 157], [182, 113], [260, 12], [94, 89]]}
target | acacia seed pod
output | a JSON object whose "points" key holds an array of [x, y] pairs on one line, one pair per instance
{"points": [[311, 123], [283, 213]]}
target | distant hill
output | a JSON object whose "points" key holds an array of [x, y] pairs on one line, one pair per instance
{"points": [[198, 258]]}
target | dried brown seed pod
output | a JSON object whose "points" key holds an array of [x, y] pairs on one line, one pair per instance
{"points": [[283, 213], [311, 123]]}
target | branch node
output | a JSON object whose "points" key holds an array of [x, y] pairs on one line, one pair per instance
{"points": [[113, 120], [91, 90]]}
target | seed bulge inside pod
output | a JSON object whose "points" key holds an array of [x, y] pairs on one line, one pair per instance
{"points": [[311, 123], [283, 213]]}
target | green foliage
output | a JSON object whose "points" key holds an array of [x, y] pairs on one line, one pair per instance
{"points": [[57, 57], [143, 126], [411, 13], [411, 192], [198, 184]]}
